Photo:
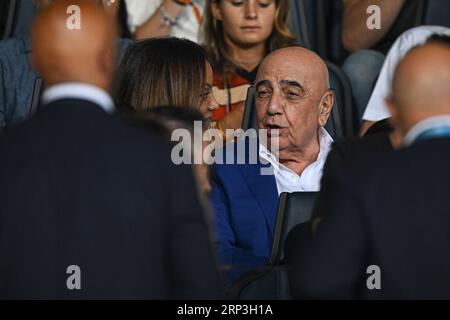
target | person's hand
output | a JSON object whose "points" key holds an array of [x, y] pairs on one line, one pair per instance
{"points": [[155, 25], [172, 8]]}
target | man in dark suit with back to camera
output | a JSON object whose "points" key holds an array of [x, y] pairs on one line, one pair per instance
{"points": [[90, 207], [385, 233], [19, 81]]}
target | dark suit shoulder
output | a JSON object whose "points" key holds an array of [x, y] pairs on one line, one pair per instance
{"points": [[354, 149], [422, 161], [408, 175], [64, 125], [345, 152]]}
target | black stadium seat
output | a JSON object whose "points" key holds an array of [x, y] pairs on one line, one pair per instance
{"points": [[7, 17], [343, 105], [300, 26], [332, 31], [19, 18], [293, 209], [320, 27], [37, 90], [340, 122], [437, 13], [249, 119], [271, 281]]}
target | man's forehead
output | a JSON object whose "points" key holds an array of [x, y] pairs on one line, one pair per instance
{"points": [[281, 77], [297, 64], [282, 71]]}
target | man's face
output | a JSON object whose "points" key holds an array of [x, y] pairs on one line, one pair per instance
{"points": [[288, 96]]}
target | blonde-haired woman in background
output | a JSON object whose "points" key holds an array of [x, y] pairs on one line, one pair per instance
{"points": [[237, 35]]}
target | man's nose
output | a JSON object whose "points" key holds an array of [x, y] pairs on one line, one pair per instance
{"points": [[275, 104], [251, 11]]}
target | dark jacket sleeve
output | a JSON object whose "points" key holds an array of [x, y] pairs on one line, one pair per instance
{"points": [[337, 159], [235, 260], [192, 256], [3, 101], [331, 264]]}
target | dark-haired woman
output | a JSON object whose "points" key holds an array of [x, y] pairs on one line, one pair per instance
{"points": [[166, 72]]}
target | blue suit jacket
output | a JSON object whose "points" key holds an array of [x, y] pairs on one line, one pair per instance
{"points": [[245, 207]]}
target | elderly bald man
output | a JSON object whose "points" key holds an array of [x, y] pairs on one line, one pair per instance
{"points": [[80, 214], [386, 228], [293, 103], [18, 75]]}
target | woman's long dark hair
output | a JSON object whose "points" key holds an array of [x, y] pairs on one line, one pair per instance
{"points": [[162, 71]]}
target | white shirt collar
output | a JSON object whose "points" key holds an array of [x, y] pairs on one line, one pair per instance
{"points": [[287, 180], [423, 126], [75, 90]]}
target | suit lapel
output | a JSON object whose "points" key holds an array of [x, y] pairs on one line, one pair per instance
{"points": [[264, 189]]}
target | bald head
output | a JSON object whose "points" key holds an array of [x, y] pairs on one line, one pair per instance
{"points": [[62, 52], [302, 60], [421, 85]]}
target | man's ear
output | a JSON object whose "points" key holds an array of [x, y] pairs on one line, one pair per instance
{"points": [[215, 10], [390, 103], [107, 61], [325, 107]]}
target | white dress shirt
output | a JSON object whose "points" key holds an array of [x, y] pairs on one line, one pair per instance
{"points": [[139, 11], [289, 181], [424, 125], [82, 91], [376, 108]]}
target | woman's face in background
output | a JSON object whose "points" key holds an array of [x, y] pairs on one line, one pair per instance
{"points": [[208, 102], [245, 22], [207, 106]]}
